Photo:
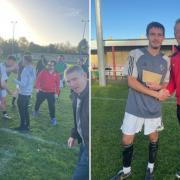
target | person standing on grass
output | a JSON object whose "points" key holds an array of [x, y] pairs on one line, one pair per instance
{"points": [[5, 70], [77, 81], [47, 87], [60, 68], [41, 65], [143, 106], [25, 83], [174, 83]]}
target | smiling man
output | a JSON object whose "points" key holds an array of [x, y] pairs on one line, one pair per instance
{"points": [[147, 74], [77, 81]]}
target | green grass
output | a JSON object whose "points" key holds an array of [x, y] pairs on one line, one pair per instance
{"points": [[41, 154], [107, 116]]}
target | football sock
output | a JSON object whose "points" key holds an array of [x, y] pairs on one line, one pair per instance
{"points": [[153, 148], [127, 156]]}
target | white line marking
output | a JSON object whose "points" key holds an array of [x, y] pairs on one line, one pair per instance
{"points": [[123, 99], [28, 136]]}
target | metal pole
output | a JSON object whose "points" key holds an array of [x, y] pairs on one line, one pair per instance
{"points": [[114, 63], [100, 44], [84, 21], [13, 29]]}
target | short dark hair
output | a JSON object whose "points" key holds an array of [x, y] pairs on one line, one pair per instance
{"points": [[177, 22], [12, 58], [74, 68], [155, 25], [28, 58]]}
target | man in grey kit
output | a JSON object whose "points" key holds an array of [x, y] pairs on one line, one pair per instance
{"points": [[148, 73]]}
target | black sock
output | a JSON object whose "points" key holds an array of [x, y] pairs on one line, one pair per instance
{"points": [[127, 155], [13, 100], [153, 148]]}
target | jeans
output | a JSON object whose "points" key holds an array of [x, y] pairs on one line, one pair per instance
{"points": [[23, 102], [82, 169]]}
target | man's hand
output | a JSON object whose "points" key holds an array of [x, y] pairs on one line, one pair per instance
{"points": [[163, 94], [153, 86], [71, 142]]}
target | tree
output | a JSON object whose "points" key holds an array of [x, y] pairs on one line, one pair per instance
{"points": [[23, 44]]}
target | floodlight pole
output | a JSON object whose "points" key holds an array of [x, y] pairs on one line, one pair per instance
{"points": [[13, 30], [100, 44], [84, 30]]}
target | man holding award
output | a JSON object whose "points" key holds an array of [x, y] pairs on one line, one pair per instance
{"points": [[148, 73]]}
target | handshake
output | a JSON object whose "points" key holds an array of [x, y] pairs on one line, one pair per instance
{"points": [[163, 94], [160, 94]]}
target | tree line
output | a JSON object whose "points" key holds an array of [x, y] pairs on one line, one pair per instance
{"points": [[23, 45]]}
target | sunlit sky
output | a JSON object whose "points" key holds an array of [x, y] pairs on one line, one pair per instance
{"points": [[44, 21], [127, 19]]}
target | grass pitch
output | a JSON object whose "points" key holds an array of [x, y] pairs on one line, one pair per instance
{"points": [[41, 154], [108, 105]]}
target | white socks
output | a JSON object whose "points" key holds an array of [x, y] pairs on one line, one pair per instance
{"points": [[151, 166], [126, 170]]}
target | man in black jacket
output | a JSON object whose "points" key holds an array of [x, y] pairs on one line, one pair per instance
{"points": [[77, 81]]}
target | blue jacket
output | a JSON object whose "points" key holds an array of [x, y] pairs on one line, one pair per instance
{"points": [[26, 82]]}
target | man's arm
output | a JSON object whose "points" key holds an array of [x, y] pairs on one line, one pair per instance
{"points": [[24, 79], [136, 85], [156, 86]]}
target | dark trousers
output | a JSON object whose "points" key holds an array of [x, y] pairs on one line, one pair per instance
{"points": [[23, 102], [82, 169], [42, 96], [178, 113]]}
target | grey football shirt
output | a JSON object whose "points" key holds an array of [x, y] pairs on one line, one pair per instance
{"points": [[140, 61]]}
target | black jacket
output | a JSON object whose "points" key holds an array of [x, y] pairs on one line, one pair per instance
{"points": [[84, 115]]}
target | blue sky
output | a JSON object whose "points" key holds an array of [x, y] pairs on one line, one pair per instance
{"points": [[44, 21], [127, 19]]}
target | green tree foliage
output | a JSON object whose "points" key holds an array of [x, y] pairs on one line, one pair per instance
{"points": [[23, 45]]}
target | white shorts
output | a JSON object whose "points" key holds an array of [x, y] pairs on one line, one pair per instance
{"points": [[133, 124]]}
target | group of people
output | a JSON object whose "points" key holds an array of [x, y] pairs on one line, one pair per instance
{"points": [[47, 80], [143, 107]]}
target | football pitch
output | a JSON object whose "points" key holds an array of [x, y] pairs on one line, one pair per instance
{"points": [[108, 105], [42, 153]]}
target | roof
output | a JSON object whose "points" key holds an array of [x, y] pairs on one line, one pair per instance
{"points": [[131, 42]]}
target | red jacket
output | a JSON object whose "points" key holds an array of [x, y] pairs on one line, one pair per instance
{"points": [[174, 83], [48, 82]]}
